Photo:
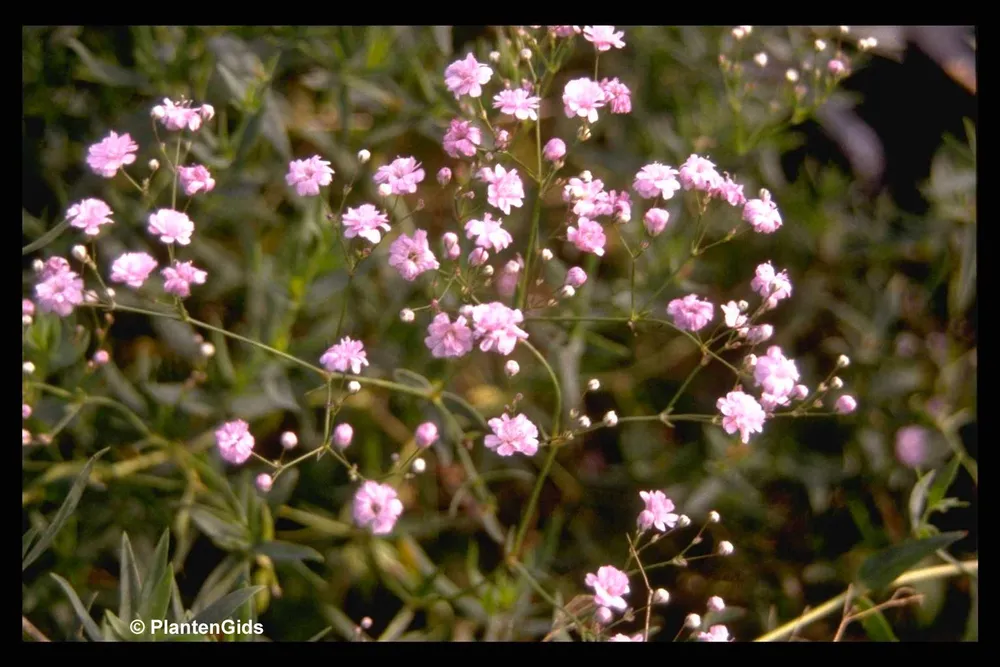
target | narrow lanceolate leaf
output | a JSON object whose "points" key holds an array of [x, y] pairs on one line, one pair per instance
{"points": [[918, 499], [28, 539], [226, 606], [875, 624], [286, 551], [942, 483], [89, 626], [129, 582], [156, 589], [59, 520], [882, 568]]}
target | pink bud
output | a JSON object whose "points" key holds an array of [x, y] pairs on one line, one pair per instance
{"points": [[846, 404], [444, 176], [451, 247], [342, 435], [655, 221], [576, 277], [554, 150], [264, 482], [478, 257], [427, 434]]}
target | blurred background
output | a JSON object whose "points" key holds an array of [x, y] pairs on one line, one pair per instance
{"points": [[876, 186]]}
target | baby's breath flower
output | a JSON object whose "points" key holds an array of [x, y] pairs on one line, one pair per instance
{"points": [[264, 482], [693, 621], [725, 548], [364, 155], [353, 387], [610, 419], [760, 59], [713, 517], [511, 368], [289, 440], [661, 596], [28, 368], [584, 421]]}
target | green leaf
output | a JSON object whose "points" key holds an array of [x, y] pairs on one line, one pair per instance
{"points": [[218, 582], [918, 498], [176, 602], [89, 626], [398, 625], [227, 534], [407, 377], [882, 568], [322, 633], [943, 483], [28, 538], [972, 625], [119, 628], [105, 72], [59, 520], [129, 582], [876, 625], [155, 594], [947, 504], [286, 551], [226, 606]]}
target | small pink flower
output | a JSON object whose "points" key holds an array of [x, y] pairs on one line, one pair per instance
{"points": [[478, 257], [845, 405], [555, 149], [610, 586], [132, 268], [505, 188], [576, 277], [699, 174], [617, 95], [836, 67], [776, 375], [365, 221], [588, 197], [426, 434], [510, 436], [377, 507], [587, 236], [25, 411], [171, 226], [101, 357], [488, 233], [467, 77], [912, 446], [348, 353], [448, 339], [89, 215], [308, 176], [27, 307], [565, 30], [582, 98], [621, 205], [53, 266], [196, 179], [656, 180], [58, 292], [659, 511], [733, 315], [264, 482], [402, 175], [452, 249], [656, 220], [716, 633], [517, 102], [507, 281], [179, 278], [741, 412], [729, 191], [604, 37], [690, 313], [762, 214], [179, 116], [444, 176], [342, 435], [773, 287], [235, 441], [412, 256], [496, 327], [111, 154], [625, 638], [461, 139]]}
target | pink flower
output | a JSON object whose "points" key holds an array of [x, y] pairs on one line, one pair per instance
{"points": [[466, 77], [448, 339], [510, 436], [348, 353], [603, 37], [770, 285], [733, 315], [845, 405], [565, 30], [690, 313], [617, 95], [89, 215], [588, 197], [762, 214], [179, 278], [53, 266], [758, 334], [426, 434], [656, 180], [730, 191], [507, 281], [196, 179], [587, 236], [656, 220], [716, 633], [59, 291], [505, 188], [132, 268], [308, 176], [555, 149], [658, 513], [264, 482], [444, 176], [912, 446], [111, 154], [488, 233], [402, 175], [699, 174], [517, 102], [462, 138], [741, 412], [452, 249], [625, 638], [412, 256], [180, 116], [776, 375], [582, 98], [25, 411], [342, 435], [496, 327], [576, 277], [171, 226], [610, 586], [365, 221], [27, 307], [478, 257], [235, 441], [836, 67], [377, 507], [621, 204]]}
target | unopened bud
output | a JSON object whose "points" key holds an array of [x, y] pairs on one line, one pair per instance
{"points": [[726, 548], [511, 368], [843, 361], [610, 419], [407, 315], [593, 384], [79, 253], [715, 603], [494, 56], [683, 521], [760, 59], [264, 482], [525, 54], [567, 291], [289, 440], [364, 155], [837, 383], [713, 517], [419, 466], [385, 190], [546, 254], [28, 368], [366, 622], [693, 621], [353, 387], [661, 596], [207, 350]]}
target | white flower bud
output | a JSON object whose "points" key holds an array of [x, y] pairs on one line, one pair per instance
{"points": [[207, 350], [713, 517], [760, 59], [661, 596], [79, 253], [525, 54], [750, 361], [366, 622], [158, 112], [792, 75], [364, 155], [546, 254], [407, 315], [419, 466], [353, 386], [487, 270], [715, 603], [743, 306], [38, 265], [836, 383], [110, 291], [693, 621], [385, 189], [844, 29], [725, 548], [593, 384], [153, 164], [843, 361], [603, 615], [584, 421], [494, 56], [610, 419], [28, 368], [567, 292], [820, 45], [683, 521], [289, 440], [26, 320]]}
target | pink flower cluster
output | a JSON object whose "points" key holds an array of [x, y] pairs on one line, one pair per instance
{"points": [[401, 175], [366, 222], [462, 138], [495, 326], [467, 77], [235, 441], [89, 215], [347, 354], [691, 313], [309, 175], [59, 289], [377, 507], [412, 256], [111, 154], [610, 587], [512, 436], [659, 512], [505, 188], [182, 116]]}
